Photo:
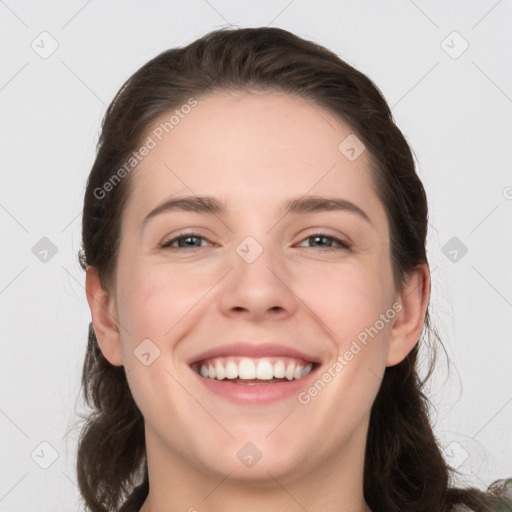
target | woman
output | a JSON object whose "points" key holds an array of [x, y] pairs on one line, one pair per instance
{"points": [[254, 244]]}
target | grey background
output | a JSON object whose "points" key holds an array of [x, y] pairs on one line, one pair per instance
{"points": [[454, 108]]}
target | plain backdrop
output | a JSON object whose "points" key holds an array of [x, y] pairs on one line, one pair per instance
{"points": [[444, 68]]}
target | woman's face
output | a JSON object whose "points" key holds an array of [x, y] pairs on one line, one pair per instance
{"points": [[254, 289]]}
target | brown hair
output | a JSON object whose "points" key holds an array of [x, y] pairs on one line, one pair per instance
{"points": [[404, 467]]}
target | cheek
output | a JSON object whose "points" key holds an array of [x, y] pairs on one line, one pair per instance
{"points": [[158, 306], [151, 300], [151, 304], [347, 300], [355, 309]]}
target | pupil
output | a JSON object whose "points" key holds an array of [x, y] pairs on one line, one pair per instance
{"points": [[188, 238], [317, 238]]}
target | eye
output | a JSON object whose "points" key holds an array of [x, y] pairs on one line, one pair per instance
{"points": [[185, 241], [193, 241], [322, 237]]}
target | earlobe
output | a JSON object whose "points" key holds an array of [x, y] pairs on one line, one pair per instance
{"points": [[409, 323], [104, 317]]}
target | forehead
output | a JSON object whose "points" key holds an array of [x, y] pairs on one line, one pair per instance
{"points": [[250, 148]]}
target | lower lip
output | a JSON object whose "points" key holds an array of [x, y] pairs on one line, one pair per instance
{"points": [[256, 393]]}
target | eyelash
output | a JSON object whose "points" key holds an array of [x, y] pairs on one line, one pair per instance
{"points": [[167, 245]]}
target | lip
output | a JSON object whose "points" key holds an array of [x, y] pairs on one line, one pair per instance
{"points": [[255, 394], [245, 349]]}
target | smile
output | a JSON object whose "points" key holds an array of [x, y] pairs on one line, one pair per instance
{"points": [[254, 374], [244, 370]]}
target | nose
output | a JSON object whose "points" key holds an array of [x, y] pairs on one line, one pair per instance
{"points": [[259, 286]]}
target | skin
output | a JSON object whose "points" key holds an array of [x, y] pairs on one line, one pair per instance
{"points": [[254, 151]]}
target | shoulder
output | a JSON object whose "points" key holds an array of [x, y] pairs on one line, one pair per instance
{"points": [[504, 489]]}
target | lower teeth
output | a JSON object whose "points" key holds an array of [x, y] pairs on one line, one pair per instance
{"points": [[203, 371], [251, 382], [256, 381]]}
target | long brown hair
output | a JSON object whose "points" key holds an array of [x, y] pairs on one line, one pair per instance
{"points": [[404, 467]]}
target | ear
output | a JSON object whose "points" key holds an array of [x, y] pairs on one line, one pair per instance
{"points": [[104, 317], [406, 330]]}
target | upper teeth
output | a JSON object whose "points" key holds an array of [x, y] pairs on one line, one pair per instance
{"points": [[264, 369]]}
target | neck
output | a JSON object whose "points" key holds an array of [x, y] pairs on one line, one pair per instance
{"points": [[334, 485]]}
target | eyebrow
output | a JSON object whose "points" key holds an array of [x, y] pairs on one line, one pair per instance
{"points": [[213, 206]]}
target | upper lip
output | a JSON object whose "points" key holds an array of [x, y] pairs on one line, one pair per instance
{"points": [[246, 349]]}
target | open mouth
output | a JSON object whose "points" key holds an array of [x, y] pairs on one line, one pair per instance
{"points": [[254, 371]]}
